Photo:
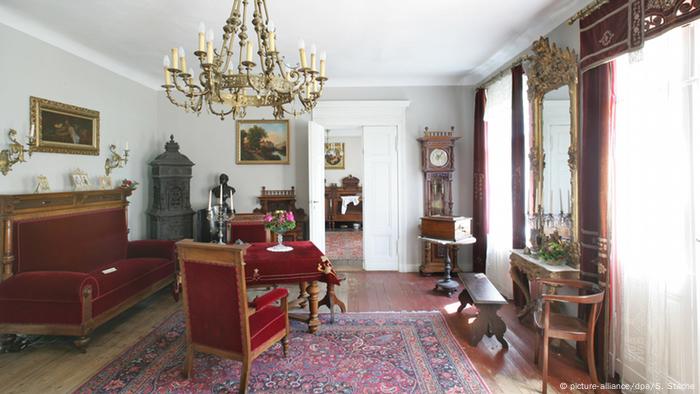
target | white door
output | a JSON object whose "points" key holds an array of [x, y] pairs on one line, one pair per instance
{"points": [[317, 230], [380, 198]]}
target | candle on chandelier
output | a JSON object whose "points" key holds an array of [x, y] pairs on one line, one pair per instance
{"points": [[32, 132], [248, 51], [210, 47], [323, 64], [307, 91], [183, 60], [313, 57], [302, 53], [191, 72], [126, 146], [166, 66], [202, 41], [271, 45], [175, 62]]}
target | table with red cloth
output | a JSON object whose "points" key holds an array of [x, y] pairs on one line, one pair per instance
{"points": [[305, 263]]}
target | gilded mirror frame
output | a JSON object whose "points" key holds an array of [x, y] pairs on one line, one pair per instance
{"points": [[548, 69]]}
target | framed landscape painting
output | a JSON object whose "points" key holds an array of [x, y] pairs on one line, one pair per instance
{"points": [[65, 128], [262, 142]]}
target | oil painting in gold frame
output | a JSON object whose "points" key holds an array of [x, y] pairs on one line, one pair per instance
{"points": [[64, 128], [262, 142]]}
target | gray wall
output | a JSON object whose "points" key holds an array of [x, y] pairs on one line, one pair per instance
{"points": [[210, 143], [145, 118], [127, 112]]}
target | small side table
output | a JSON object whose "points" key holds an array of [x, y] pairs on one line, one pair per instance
{"points": [[447, 284]]}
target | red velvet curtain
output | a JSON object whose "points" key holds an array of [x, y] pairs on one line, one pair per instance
{"points": [[518, 159], [480, 216], [598, 116], [518, 168]]}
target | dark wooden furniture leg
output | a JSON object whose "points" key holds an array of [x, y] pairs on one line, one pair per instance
{"points": [[447, 284], [464, 299], [330, 300], [313, 321], [487, 323]]}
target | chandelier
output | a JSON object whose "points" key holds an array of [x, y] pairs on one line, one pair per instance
{"points": [[231, 78]]}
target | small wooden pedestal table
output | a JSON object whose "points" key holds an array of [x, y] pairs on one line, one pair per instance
{"points": [[481, 293], [447, 284]]}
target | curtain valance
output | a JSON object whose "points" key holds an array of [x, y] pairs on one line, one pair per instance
{"points": [[622, 25]]}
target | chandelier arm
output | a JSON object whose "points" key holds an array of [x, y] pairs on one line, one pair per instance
{"points": [[250, 82], [232, 40], [242, 36], [221, 113]]}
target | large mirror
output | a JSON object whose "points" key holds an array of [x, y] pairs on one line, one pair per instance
{"points": [[552, 207]]}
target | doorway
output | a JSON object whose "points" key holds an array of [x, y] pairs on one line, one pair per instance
{"points": [[343, 204], [380, 202]]}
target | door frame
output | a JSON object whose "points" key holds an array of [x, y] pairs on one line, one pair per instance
{"points": [[347, 114]]}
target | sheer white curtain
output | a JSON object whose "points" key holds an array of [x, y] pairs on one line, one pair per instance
{"points": [[655, 313], [500, 236]]}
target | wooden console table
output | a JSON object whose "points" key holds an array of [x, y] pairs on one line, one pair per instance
{"points": [[527, 268]]}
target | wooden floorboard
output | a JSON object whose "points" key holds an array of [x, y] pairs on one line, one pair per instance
{"points": [[54, 366]]}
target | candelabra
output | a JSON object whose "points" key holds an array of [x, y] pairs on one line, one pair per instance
{"points": [[116, 160], [16, 152], [219, 214]]}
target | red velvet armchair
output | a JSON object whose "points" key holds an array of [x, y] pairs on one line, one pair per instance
{"points": [[218, 315]]}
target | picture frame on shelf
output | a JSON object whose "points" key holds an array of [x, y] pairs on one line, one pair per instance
{"points": [[80, 180], [42, 184], [104, 182], [262, 142], [64, 128]]}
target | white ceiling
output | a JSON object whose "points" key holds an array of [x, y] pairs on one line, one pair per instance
{"points": [[369, 42]]}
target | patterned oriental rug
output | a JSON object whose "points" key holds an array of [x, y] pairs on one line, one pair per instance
{"points": [[407, 352]]}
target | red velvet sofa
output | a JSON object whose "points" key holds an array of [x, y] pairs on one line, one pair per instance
{"points": [[72, 272]]}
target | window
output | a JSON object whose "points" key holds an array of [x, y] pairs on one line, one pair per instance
{"points": [[654, 237]]}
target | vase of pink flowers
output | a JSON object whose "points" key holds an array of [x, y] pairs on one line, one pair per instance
{"points": [[279, 222]]}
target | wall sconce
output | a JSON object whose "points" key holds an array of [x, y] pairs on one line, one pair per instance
{"points": [[15, 153], [117, 160]]}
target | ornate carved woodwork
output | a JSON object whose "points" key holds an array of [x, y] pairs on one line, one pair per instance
{"points": [[170, 213], [350, 186], [526, 269], [16, 207], [437, 162], [550, 68], [285, 200]]}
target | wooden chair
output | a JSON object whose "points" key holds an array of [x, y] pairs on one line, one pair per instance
{"points": [[249, 228], [558, 325], [217, 311]]}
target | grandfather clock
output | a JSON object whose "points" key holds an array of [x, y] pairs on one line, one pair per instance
{"points": [[438, 168]]}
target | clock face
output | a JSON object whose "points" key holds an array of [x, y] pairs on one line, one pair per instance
{"points": [[438, 157]]}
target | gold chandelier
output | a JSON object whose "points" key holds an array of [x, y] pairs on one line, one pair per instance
{"points": [[229, 80]]}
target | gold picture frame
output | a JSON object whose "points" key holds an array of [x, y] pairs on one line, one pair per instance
{"points": [[64, 128], [334, 155], [262, 142]]}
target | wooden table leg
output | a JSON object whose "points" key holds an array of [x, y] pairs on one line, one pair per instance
{"points": [[302, 294], [518, 279], [330, 300], [313, 322]]}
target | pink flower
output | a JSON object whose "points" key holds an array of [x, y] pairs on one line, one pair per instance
{"points": [[290, 216], [268, 218]]}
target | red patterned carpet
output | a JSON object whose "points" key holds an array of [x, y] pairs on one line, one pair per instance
{"points": [[407, 352], [344, 248]]}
